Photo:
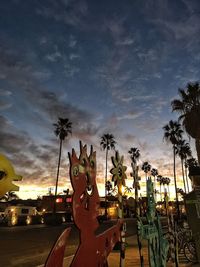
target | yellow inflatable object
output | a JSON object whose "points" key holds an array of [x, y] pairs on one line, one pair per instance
{"points": [[7, 175]]}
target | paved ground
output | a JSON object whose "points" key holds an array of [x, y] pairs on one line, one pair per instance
{"points": [[132, 256], [29, 246]]}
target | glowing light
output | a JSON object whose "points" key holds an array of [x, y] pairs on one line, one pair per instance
{"points": [[69, 200], [59, 200]]}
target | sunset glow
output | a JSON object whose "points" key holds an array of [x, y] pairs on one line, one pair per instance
{"points": [[107, 66]]}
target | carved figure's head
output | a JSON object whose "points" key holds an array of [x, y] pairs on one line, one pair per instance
{"points": [[83, 180], [7, 176]]}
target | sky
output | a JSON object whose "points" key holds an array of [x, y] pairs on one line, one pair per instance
{"points": [[109, 66]]}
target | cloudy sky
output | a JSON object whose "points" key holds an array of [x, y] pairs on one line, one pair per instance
{"points": [[109, 66]]}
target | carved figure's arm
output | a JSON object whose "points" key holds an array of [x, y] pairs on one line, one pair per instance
{"points": [[111, 236]]}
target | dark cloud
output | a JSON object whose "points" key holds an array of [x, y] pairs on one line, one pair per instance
{"points": [[65, 11], [28, 157]]}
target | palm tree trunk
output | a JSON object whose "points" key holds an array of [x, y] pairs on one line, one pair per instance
{"points": [[183, 175], [197, 144], [186, 177], [160, 192], [54, 206], [155, 188], [136, 188], [168, 191], [177, 203], [106, 211]]}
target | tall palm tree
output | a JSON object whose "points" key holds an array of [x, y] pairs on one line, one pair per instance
{"points": [[183, 150], [190, 162], [189, 108], [134, 155], [146, 167], [109, 187], [154, 173], [107, 143], [167, 183], [173, 133], [63, 128], [159, 180], [187, 154], [164, 182]]}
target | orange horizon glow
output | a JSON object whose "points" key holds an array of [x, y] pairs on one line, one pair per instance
{"points": [[34, 191]]}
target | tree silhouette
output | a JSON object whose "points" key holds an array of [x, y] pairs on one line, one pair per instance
{"points": [[159, 180], [107, 143], [109, 187], [172, 134], [134, 154], [164, 182], [154, 173], [190, 162], [146, 167], [127, 190], [189, 108], [183, 150], [11, 195], [167, 183], [62, 129]]}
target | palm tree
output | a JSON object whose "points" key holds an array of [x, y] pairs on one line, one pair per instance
{"points": [[113, 192], [189, 108], [109, 187], [187, 154], [146, 167], [173, 133], [183, 150], [191, 162], [167, 183], [63, 127], [154, 173], [107, 143], [134, 154], [11, 195], [181, 192], [127, 190], [164, 182], [159, 180]]}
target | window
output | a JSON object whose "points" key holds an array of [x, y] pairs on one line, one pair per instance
{"points": [[24, 211]]}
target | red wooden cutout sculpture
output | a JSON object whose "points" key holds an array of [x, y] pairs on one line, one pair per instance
{"points": [[93, 249], [55, 258]]}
